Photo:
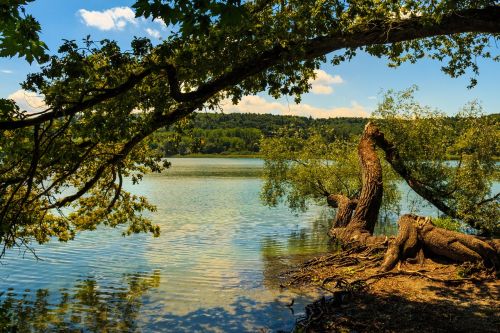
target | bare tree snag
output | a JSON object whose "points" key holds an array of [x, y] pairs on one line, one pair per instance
{"points": [[345, 208], [418, 233]]}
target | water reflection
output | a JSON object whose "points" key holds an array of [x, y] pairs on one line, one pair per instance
{"points": [[89, 306], [279, 254], [214, 262]]}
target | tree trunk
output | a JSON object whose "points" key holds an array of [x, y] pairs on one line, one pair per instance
{"points": [[359, 230], [345, 208], [366, 214], [417, 236]]}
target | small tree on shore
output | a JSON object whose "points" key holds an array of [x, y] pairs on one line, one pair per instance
{"points": [[424, 140]]}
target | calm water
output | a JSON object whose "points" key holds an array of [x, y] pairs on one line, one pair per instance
{"points": [[210, 270], [206, 272]]}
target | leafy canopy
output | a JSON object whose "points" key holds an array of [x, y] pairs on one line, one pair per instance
{"points": [[19, 32], [304, 167]]}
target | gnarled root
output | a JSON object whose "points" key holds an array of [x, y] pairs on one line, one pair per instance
{"points": [[417, 235], [351, 237]]}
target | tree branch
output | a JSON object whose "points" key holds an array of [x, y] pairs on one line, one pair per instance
{"points": [[484, 20]]}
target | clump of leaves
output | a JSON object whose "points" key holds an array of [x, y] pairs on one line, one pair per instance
{"points": [[427, 140], [447, 223], [302, 167]]}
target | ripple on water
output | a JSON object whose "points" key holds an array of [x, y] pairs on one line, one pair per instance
{"points": [[207, 271]]}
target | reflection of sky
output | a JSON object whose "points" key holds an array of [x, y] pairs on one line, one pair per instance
{"points": [[208, 256], [223, 223]]}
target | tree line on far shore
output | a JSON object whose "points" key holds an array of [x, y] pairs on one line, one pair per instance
{"points": [[240, 133]]}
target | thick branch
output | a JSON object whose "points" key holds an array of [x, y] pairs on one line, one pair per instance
{"points": [[131, 82], [397, 163], [485, 20], [345, 208], [156, 122]]}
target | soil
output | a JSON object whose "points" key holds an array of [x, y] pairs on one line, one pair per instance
{"points": [[433, 297]]}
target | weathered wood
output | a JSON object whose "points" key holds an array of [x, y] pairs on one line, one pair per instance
{"points": [[369, 202], [345, 208], [416, 233]]}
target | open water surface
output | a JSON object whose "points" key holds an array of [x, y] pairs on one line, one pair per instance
{"points": [[209, 271], [206, 272]]}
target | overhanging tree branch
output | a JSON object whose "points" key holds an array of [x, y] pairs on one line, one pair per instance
{"points": [[484, 20]]}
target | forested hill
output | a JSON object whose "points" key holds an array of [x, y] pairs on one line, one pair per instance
{"points": [[268, 123], [240, 133]]}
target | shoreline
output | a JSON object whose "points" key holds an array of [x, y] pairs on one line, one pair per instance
{"points": [[215, 156]]}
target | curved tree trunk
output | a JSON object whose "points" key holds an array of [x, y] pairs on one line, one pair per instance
{"points": [[366, 214], [345, 209], [360, 228], [417, 236]]}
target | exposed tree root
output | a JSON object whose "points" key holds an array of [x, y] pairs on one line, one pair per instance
{"points": [[351, 279], [418, 237], [333, 267], [379, 276], [367, 259]]}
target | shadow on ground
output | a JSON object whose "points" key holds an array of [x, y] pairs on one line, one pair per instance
{"points": [[471, 308]]}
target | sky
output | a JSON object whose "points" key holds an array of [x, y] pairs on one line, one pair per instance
{"points": [[351, 89]]}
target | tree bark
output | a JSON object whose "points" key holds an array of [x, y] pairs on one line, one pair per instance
{"points": [[417, 234], [366, 214], [345, 208], [397, 163], [360, 228]]}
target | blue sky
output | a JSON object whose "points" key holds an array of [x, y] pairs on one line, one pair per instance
{"points": [[352, 88]]}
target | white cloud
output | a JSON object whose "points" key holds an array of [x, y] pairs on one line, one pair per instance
{"points": [[153, 33], [110, 19], [372, 98], [162, 23], [322, 84], [6, 71], [257, 104], [28, 101]]}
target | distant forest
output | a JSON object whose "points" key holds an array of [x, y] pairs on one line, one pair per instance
{"points": [[240, 133]]}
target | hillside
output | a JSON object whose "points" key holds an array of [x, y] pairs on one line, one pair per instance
{"points": [[239, 133]]}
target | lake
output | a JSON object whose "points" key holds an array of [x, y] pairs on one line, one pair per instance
{"points": [[210, 270], [206, 272]]}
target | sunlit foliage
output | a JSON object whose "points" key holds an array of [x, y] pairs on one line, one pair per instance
{"points": [[303, 167], [427, 138]]}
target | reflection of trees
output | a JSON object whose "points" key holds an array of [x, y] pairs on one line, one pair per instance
{"points": [[89, 307], [277, 255]]}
